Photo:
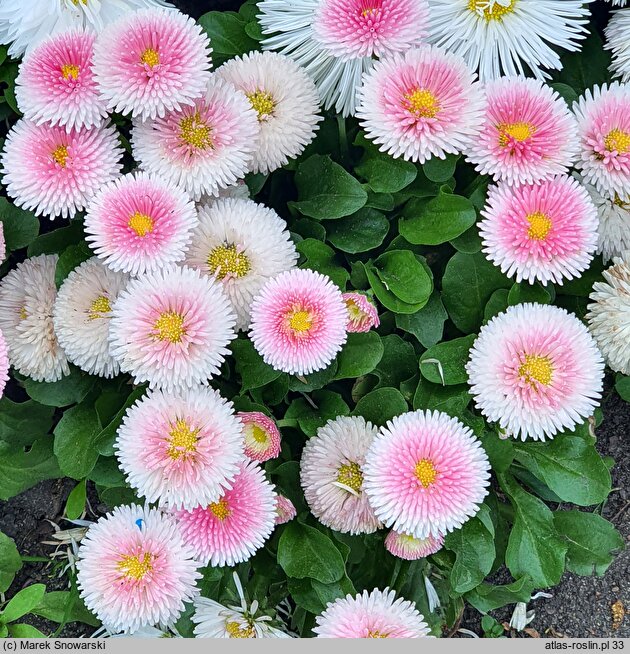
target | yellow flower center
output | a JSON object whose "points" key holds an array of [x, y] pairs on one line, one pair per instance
{"points": [[99, 307], [237, 631], [376, 634], [300, 321], [536, 369], [370, 12], [194, 132], [426, 472], [491, 11], [133, 567], [226, 260], [70, 70], [140, 223], [422, 103], [150, 57], [169, 327], [182, 440], [263, 103], [515, 131], [60, 155], [617, 140], [220, 509], [539, 226], [620, 203], [350, 475], [23, 314], [257, 433]]}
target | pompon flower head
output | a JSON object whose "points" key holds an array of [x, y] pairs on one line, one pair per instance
{"points": [[331, 474], [509, 37], [544, 232], [180, 449], [285, 100], [421, 104], [411, 549], [618, 43], [82, 313], [535, 370], [139, 223], [152, 61], [135, 570], [362, 314], [299, 322], [528, 133], [603, 116], [4, 373], [262, 436], [202, 148], [609, 316], [171, 328], [232, 529], [54, 172], [27, 297], [285, 510], [371, 615], [242, 244], [3, 244], [56, 85], [425, 474]]}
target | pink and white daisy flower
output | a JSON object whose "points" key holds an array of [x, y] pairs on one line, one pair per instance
{"points": [[285, 510], [603, 116], [54, 172], [426, 474], [152, 61], [180, 449], [232, 529], [56, 85], [536, 371], [299, 322], [262, 436], [139, 223], [421, 104], [202, 148], [528, 133], [331, 474], [362, 314], [409, 548], [371, 615], [135, 570], [4, 369], [171, 328], [544, 232]]}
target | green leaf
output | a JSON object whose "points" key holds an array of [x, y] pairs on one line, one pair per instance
{"points": [[60, 604], [313, 595], [76, 501], [104, 440], [57, 240], [524, 292], [487, 597], [226, 30], [20, 227], [70, 389], [327, 406], [21, 423], [25, 631], [384, 174], [448, 399], [469, 242], [622, 386], [306, 552], [362, 231], [325, 190], [427, 324], [497, 304], [23, 602], [360, 355], [404, 276], [398, 362], [19, 470], [10, 561], [500, 451], [440, 170], [445, 363], [386, 297], [314, 381], [75, 438], [70, 258], [381, 405], [321, 257], [250, 366], [566, 92]]}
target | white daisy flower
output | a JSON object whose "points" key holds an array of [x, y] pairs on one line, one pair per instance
{"points": [[618, 42]]}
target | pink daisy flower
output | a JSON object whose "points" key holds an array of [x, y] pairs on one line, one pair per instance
{"points": [[536, 371], [262, 436], [299, 321], [180, 449], [56, 85], [135, 570], [545, 231], [4, 364], [375, 615], [171, 328], [139, 223], [152, 61], [230, 530], [203, 148], [409, 548], [351, 29], [362, 314], [421, 104], [426, 474], [528, 133], [603, 116], [285, 511], [54, 172]]}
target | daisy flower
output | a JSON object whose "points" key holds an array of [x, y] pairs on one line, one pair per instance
{"points": [[3, 244], [362, 314], [618, 3], [4, 378], [609, 316], [409, 548], [528, 133], [285, 510], [152, 61], [180, 449], [27, 297], [425, 474], [54, 172], [545, 231], [243, 245], [285, 100], [232, 529], [134, 569], [56, 85], [139, 223], [509, 37], [202, 148], [262, 436], [603, 116], [82, 313], [299, 322], [375, 615], [171, 328], [331, 474], [617, 42], [421, 104], [536, 371]]}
